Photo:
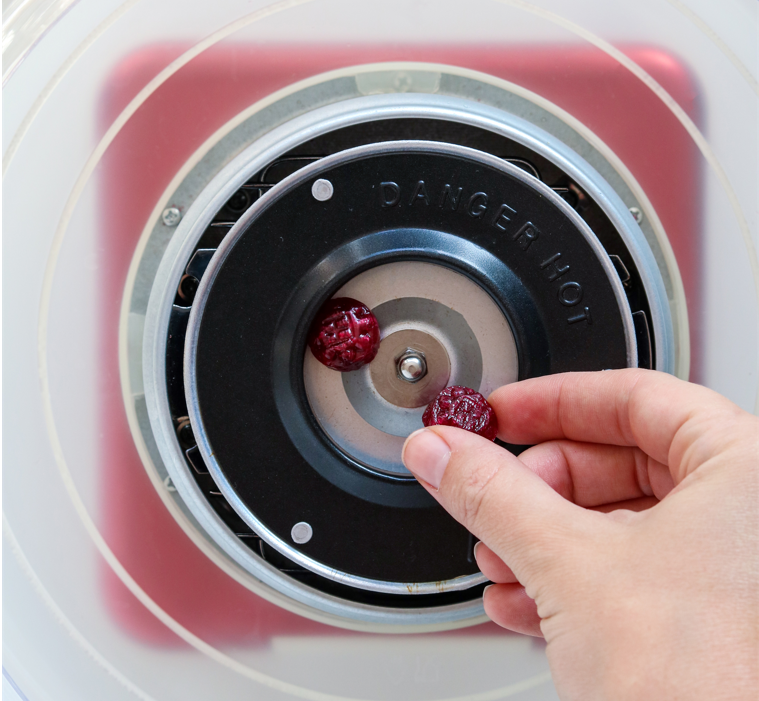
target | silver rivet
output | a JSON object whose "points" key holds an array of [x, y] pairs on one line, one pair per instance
{"points": [[301, 532], [322, 190], [412, 366], [169, 484], [171, 216], [637, 214]]}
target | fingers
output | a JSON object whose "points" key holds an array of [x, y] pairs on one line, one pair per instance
{"points": [[509, 606], [495, 569], [496, 497], [591, 474], [621, 510], [618, 407]]}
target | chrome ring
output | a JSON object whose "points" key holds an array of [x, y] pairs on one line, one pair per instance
{"points": [[202, 210], [305, 174]]}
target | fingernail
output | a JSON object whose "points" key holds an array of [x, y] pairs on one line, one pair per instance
{"points": [[426, 455], [474, 549], [486, 588]]}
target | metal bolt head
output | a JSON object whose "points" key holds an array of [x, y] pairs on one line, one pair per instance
{"points": [[185, 434], [637, 214], [171, 216], [322, 190], [412, 366], [402, 82], [301, 532]]}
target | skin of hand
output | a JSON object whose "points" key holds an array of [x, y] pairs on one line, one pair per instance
{"points": [[627, 536]]}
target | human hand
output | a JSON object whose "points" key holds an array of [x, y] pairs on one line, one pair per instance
{"points": [[628, 535]]}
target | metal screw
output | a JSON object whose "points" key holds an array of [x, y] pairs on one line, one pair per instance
{"points": [[301, 532], [185, 434], [412, 366], [239, 202], [322, 190], [637, 214], [402, 82], [171, 216]]}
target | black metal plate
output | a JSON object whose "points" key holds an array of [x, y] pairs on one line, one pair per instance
{"points": [[293, 256]]}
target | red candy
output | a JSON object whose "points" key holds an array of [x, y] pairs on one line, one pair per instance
{"points": [[345, 335], [464, 408]]}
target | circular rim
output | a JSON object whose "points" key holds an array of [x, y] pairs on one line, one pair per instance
{"points": [[265, 149], [307, 173], [483, 368]]}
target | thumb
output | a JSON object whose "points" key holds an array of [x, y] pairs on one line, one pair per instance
{"points": [[498, 499]]}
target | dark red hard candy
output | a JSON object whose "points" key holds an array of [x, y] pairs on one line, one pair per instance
{"points": [[464, 408], [344, 335]]}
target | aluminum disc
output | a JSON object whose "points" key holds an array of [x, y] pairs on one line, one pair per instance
{"points": [[428, 299]]}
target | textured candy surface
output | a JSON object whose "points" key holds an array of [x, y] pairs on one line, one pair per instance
{"points": [[464, 408], [344, 335]]}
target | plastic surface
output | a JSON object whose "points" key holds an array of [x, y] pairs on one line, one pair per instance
{"points": [[106, 596]]}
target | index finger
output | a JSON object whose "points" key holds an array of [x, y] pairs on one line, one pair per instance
{"points": [[630, 407]]}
